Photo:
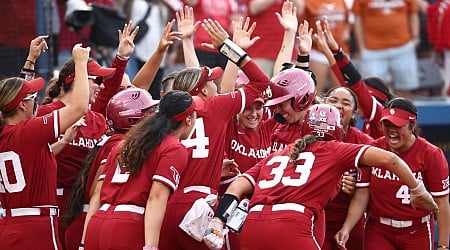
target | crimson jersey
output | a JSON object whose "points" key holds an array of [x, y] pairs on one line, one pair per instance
{"points": [[206, 142], [336, 210], [310, 181], [100, 158], [285, 134], [389, 197], [27, 165], [70, 159], [246, 146], [165, 164]]}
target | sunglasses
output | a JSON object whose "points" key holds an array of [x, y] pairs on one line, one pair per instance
{"points": [[30, 97], [97, 79]]}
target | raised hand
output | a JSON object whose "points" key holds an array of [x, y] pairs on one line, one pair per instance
{"points": [[215, 32], [304, 38], [321, 40], [126, 37], [185, 22], [242, 31], [288, 17], [37, 45], [332, 44], [80, 54], [168, 37]]}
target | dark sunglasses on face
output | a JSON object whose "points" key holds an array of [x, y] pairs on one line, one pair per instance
{"points": [[97, 79]]}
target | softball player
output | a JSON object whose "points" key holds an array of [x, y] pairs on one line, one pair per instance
{"points": [[27, 165], [291, 185], [141, 173], [393, 223]]}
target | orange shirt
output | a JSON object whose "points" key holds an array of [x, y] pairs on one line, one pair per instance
{"points": [[386, 23], [335, 11]]}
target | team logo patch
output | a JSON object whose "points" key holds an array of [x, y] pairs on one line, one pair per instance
{"points": [[175, 175], [392, 111], [445, 183]]}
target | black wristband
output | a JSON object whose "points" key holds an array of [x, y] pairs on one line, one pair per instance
{"points": [[339, 55], [302, 59], [226, 206], [351, 74]]}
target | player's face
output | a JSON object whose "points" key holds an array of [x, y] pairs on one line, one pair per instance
{"points": [[94, 88], [289, 114], [344, 102], [399, 139], [251, 116]]}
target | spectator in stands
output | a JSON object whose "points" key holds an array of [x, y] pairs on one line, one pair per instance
{"points": [[387, 33]]}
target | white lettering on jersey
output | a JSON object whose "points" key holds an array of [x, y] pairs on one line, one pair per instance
{"points": [[278, 146], [82, 142], [259, 153], [387, 175]]}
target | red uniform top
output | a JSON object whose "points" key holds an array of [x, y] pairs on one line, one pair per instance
{"points": [[284, 134], [336, 210], [389, 197], [310, 181], [166, 163], [220, 10], [206, 143], [27, 165], [70, 159], [100, 158], [247, 147]]}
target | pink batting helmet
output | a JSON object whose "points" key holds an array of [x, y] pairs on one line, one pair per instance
{"points": [[292, 83], [126, 106], [324, 121]]}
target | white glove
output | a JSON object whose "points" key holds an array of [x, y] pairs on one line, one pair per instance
{"points": [[214, 236], [419, 195]]}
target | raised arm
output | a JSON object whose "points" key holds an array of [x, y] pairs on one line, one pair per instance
{"points": [[288, 20], [187, 27], [37, 45], [77, 103], [112, 84], [147, 73], [242, 32]]}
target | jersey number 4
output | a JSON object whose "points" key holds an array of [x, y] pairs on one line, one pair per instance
{"points": [[199, 142], [11, 159], [304, 170]]}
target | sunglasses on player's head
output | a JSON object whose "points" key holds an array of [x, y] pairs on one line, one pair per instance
{"points": [[30, 97], [97, 79]]}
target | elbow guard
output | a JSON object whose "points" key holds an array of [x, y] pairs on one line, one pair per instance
{"points": [[226, 207]]}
